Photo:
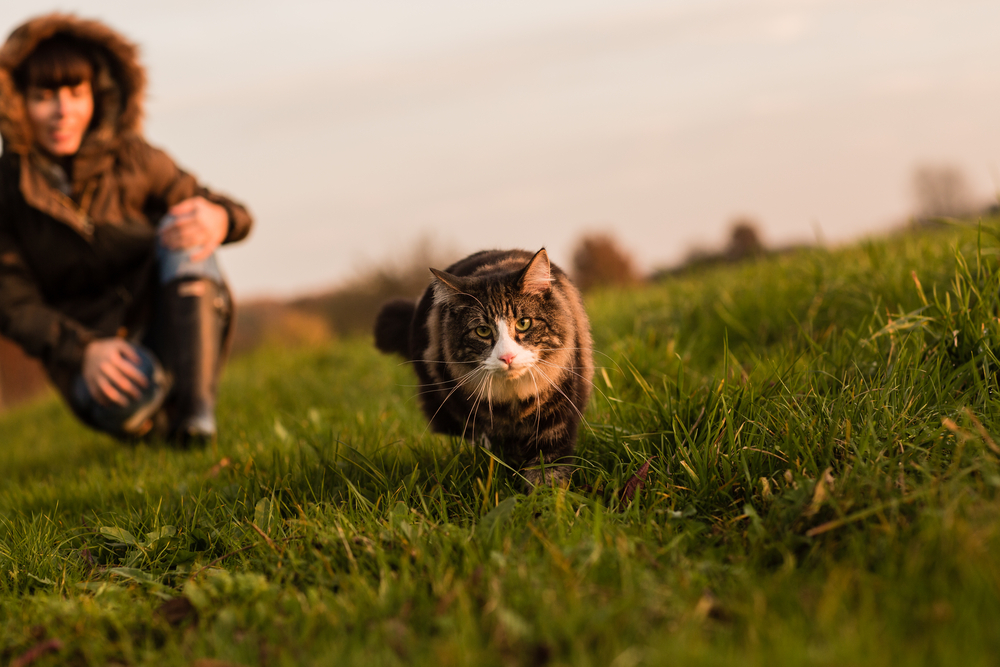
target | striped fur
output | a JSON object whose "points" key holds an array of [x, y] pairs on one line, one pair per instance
{"points": [[501, 345]]}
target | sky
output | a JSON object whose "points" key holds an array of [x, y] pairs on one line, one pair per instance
{"points": [[356, 130]]}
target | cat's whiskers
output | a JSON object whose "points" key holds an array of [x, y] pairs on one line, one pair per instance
{"points": [[443, 384], [575, 349], [568, 399], [488, 395], [573, 372], [472, 296], [478, 398], [589, 381], [424, 361], [538, 407], [465, 380], [489, 399]]}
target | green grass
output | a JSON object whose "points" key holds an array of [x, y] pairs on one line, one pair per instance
{"points": [[821, 431]]}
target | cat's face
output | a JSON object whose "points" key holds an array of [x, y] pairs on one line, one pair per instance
{"points": [[505, 344], [503, 328]]}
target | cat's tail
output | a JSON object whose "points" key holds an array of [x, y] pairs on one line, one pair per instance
{"points": [[392, 326]]}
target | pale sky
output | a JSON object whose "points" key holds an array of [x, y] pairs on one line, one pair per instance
{"points": [[354, 129]]}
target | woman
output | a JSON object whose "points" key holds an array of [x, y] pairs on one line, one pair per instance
{"points": [[107, 271]]}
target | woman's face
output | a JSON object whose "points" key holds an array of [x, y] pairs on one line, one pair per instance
{"points": [[60, 116]]}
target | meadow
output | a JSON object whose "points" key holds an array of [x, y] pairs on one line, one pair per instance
{"points": [[788, 461]]}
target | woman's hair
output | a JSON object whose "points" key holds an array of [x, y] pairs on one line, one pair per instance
{"points": [[60, 60]]}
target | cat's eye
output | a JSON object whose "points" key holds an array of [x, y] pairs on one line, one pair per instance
{"points": [[484, 332], [523, 324]]}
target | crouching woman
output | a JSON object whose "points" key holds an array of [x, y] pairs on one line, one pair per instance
{"points": [[107, 266]]}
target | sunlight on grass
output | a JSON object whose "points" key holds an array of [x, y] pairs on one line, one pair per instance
{"points": [[817, 436]]}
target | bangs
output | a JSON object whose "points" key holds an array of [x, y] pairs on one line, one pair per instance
{"points": [[56, 62]]}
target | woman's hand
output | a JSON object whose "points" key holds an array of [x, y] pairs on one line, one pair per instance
{"points": [[198, 223], [111, 373]]}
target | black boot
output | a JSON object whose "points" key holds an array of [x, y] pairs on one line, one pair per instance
{"points": [[198, 313]]}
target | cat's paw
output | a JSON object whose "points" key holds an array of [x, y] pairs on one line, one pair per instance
{"points": [[551, 475]]}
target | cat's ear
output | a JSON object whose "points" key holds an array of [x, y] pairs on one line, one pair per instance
{"points": [[536, 278], [447, 287]]}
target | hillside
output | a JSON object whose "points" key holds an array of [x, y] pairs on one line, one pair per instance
{"points": [[788, 461]]}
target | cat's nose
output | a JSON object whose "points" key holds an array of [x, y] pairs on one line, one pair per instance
{"points": [[507, 358]]}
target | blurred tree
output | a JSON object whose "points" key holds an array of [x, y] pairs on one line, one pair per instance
{"points": [[598, 260], [941, 191], [744, 241]]}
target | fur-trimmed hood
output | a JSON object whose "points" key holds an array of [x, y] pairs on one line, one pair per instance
{"points": [[119, 82]]}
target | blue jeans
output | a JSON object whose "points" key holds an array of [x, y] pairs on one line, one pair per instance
{"points": [[177, 263], [131, 420]]}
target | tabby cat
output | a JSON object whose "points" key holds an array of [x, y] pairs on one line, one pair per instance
{"points": [[501, 345]]}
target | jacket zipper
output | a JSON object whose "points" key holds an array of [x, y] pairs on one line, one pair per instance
{"points": [[81, 208]]}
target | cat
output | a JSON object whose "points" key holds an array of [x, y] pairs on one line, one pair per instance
{"points": [[501, 344]]}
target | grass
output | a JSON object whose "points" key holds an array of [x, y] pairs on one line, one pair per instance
{"points": [[822, 489]]}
